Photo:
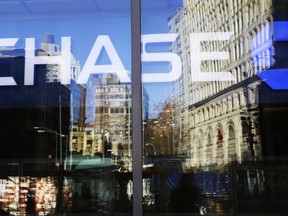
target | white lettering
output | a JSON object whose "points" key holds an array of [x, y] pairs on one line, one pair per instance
{"points": [[7, 42], [64, 60], [173, 58], [116, 66], [197, 56]]}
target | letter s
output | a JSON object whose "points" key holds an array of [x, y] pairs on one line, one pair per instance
{"points": [[173, 58]]}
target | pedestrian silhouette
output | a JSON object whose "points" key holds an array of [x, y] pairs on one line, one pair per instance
{"points": [[30, 208], [85, 191], [183, 197]]}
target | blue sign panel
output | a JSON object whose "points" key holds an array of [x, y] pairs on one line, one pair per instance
{"points": [[276, 78]]}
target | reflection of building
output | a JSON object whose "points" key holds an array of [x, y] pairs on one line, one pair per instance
{"points": [[86, 142], [223, 116], [179, 88], [108, 118], [53, 74], [113, 113], [54, 71], [80, 138], [158, 133], [24, 107]]}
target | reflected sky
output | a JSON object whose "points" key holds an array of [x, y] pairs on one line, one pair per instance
{"points": [[155, 20], [83, 21]]}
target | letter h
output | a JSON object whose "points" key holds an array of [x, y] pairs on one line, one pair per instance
{"points": [[31, 60]]}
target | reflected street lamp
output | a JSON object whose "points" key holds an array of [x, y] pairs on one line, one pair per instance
{"points": [[48, 130], [60, 176], [150, 144]]}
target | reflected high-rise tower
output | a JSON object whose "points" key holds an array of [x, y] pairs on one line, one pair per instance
{"points": [[113, 113], [53, 74]]}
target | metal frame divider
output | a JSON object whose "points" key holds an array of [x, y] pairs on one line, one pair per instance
{"points": [[136, 107]]}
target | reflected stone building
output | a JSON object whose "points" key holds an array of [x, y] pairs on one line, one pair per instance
{"points": [[219, 120], [85, 142]]}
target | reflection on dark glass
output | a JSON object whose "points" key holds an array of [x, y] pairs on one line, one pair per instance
{"points": [[226, 139], [65, 146]]}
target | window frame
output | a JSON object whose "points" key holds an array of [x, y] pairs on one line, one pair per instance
{"points": [[136, 106]]}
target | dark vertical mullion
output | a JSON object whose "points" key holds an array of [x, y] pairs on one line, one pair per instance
{"points": [[136, 107]]}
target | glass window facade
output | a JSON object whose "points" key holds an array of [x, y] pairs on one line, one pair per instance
{"points": [[143, 107], [66, 96]]}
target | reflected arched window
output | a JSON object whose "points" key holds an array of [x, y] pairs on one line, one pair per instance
{"points": [[231, 133], [245, 129], [231, 144], [209, 136], [219, 135]]}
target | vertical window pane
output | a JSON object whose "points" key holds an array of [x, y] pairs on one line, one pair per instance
{"points": [[65, 107], [215, 106]]}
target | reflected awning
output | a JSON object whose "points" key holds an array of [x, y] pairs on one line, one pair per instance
{"points": [[94, 163], [79, 162]]}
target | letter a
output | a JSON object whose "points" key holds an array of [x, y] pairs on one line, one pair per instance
{"points": [[116, 65]]}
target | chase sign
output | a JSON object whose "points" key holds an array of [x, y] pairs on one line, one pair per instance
{"points": [[275, 78]]}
